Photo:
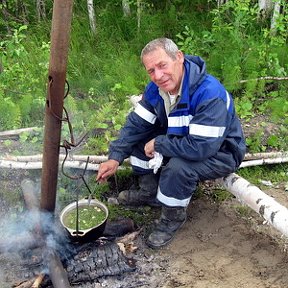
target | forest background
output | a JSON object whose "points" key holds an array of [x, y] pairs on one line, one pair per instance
{"points": [[236, 39]]}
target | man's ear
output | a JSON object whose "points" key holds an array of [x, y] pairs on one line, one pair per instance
{"points": [[180, 56]]}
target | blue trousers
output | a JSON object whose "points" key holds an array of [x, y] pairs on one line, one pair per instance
{"points": [[179, 177]]}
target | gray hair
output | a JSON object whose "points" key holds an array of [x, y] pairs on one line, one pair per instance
{"points": [[166, 44]]}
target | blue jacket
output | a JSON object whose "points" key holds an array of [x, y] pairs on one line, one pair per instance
{"points": [[202, 123]]}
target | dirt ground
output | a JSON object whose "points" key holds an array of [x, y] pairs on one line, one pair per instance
{"points": [[217, 247], [222, 244]]}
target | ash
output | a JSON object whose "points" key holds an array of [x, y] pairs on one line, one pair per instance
{"points": [[143, 267]]}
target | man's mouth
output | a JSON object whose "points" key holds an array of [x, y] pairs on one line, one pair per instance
{"points": [[163, 83]]}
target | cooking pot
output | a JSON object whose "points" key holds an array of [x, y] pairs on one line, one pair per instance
{"points": [[92, 233]]}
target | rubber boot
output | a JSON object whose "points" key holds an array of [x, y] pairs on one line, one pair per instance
{"points": [[145, 195], [171, 220]]}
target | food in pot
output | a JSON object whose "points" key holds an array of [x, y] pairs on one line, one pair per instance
{"points": [[88, 217]]}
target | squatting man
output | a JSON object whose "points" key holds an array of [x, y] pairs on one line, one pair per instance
{"points": [[186, 117]]}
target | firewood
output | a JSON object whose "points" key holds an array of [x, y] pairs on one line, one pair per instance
{"points": [[38, 281], [92, 262], [129, 237], [57, 273], [24, 284]]}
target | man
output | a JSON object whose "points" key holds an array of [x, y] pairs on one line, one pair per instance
{"points": [[187, 116]]}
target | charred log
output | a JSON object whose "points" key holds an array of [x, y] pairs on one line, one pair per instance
{"points": [[93, 262], [82, 263]]}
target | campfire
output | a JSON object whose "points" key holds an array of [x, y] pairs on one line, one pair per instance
{"points": [[50, 256]]}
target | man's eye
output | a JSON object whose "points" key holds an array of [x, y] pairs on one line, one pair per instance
{"points": [[162, 66]]}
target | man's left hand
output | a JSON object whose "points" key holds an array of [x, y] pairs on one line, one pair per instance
{"points": [[149, 148]]}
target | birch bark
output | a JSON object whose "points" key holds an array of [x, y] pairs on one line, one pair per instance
{"points": [[91, 13]]}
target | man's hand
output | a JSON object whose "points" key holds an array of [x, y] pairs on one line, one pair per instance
{"points": [[149, 148], [107, 169]]}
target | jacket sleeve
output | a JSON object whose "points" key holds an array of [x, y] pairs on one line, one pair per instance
{"points": [[207, 131], [139, 125]]}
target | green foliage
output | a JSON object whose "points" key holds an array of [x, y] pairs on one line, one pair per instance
{"points": [[254, 142], [244, 107], [278, 173], [220, 195], [21, 85], [104, 68], [10, 116], [107, 122], [243, 210], [141, 216]]}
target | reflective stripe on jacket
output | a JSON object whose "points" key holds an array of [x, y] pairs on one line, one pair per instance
{"points": [[202, 123]]}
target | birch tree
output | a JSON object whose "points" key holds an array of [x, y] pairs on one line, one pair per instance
{"points": [[139, 8], [265, 7], [126, 8], [91, 13], [275, 16]]}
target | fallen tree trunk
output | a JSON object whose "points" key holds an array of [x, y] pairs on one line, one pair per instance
{"points": [[265, 155], [79, 161], [16, 133], [102, 158], [250, 195], [263, 162], [38, 165], [38, 158]]}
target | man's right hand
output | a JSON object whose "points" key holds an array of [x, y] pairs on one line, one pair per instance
{"points": [[106, 170]]}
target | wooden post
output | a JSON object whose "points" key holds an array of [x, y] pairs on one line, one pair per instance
{"points": [[61, 24]]}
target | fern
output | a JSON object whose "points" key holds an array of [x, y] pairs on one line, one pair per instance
{"points": [[10, 115]]}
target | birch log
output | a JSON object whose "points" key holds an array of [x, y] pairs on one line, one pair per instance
{"points": [[15, 133], [38, 165], [38, 158], [258, 162], [265, 155], [79, 161], [278, 156], [250, 195]]}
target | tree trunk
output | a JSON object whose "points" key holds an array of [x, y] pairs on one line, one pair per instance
{"points": [[221, 2], [5, 18], [126, 8], [276, 13], [139, 8], [265, 7], [41, 13], [91, 13]]}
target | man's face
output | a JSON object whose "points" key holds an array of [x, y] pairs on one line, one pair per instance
{"points": [[165, 72]]}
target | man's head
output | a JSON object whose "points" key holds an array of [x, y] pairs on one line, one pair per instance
{"points": [[164, 63]]}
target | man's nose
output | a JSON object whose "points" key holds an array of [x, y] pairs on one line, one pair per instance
{"points": [[158, 74]]}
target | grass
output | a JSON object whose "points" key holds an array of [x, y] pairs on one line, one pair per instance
{"points": [[275, 173]]}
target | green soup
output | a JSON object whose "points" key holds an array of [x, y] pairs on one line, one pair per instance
{"points": [[88, 217]]}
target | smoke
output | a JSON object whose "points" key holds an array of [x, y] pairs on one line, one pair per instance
{"points": [[30, 235]]}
